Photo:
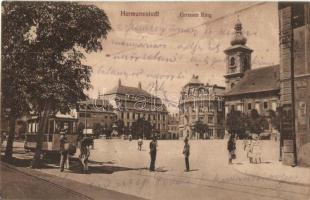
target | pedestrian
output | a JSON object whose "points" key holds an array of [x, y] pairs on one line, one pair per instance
{"points": [[249, 148], [256, 150], [186, 151], [140, 143], [86, 142], [64, 150], [231, 147], [153, 151]]}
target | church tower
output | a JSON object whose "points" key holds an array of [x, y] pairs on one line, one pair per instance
{"points": [[238, 58]]}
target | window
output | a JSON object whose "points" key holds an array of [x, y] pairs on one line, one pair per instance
{"points": [[249, 106], [257, 107], [232, 61], [210, 132], [298, 15], [232, 85], [239, 107], [265, 105], [274, 105], [128, 115], [220, 105], [210, 119], [232, 107]]}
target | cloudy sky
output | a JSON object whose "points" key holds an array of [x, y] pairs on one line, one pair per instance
{"points": [[170, 48]]}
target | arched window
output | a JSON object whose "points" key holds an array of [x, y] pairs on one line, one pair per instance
{"points": [[232, 61]]}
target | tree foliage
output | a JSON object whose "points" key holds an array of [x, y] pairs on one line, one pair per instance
{"points": [[200, 128], [256, 123], [43, 46], [141, 128], [236, 123]]}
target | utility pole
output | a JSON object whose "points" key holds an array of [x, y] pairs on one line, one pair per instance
{"points": [[293, 87]]}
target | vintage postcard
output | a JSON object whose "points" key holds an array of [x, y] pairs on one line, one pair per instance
{"points": [[155, 100]]}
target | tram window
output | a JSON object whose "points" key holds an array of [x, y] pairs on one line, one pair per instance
{"points": [[29, 127], [51, 127]]}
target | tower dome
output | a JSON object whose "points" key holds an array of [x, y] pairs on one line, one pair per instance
{"points": [[238, 37]]}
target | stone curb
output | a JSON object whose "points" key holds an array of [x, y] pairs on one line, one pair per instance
{"points": [[271, 179]]}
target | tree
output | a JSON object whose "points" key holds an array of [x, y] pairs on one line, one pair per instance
{"points": [[200, 128], [256, 123], [236, 123], [120, 126], [141, 128], [42, 52], [274, 119]]}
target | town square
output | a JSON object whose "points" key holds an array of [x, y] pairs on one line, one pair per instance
{"points": [[155, 100]]}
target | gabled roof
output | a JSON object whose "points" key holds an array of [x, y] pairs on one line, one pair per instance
{"points": [[121, 89], [258, 80]]}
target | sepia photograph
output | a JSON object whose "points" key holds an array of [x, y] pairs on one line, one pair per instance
{"points": [[167, 100]]}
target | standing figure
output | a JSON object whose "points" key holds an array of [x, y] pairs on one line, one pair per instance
{"points": [[186, 154], [248, 149], [231, 147], [64, 151], [85, 152], [140, 143], [153, 151], [256, 151]]}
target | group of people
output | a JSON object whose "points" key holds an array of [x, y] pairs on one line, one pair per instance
{"points": [[84, 144], [254, 149]]}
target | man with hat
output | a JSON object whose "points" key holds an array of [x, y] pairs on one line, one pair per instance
{"points": [[186, 154], [153, 151], [64, 150]]}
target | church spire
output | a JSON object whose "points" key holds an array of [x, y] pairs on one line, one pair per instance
{"points": [[239, 38]]}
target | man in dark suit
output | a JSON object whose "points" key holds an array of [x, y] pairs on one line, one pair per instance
{"points": [[186, 153], [153, 151]]}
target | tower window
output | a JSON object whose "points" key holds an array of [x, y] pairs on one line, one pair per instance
{"points": [[232, 61], [249, 106], [265, 105]]}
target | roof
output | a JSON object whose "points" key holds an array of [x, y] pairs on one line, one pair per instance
{"points": [[258, 80], [121, 89], [237, 47]]}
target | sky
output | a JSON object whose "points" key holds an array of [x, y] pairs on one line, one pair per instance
{"points": [[171, 47]]}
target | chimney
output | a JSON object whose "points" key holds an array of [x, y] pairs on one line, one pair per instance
{"points": [[119, 82], [139, 85]]}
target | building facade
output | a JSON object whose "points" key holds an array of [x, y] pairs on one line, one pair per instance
{"points": [[201, 102], [248, 88], [173, 126], [294, 21], [132, 103], [96, 111]]}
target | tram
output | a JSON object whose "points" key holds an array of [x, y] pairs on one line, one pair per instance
{"points": [[51, 135]]}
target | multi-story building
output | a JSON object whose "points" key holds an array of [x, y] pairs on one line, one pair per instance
{"points": [[96, 111], [173, 126], [294, 21], [132, 103], [247, 88], [201, 102]]}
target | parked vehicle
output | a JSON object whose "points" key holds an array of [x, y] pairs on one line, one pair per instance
{"points": [[51, 135]]}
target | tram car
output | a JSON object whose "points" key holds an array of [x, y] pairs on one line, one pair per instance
{"points": [[51, 136]]}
